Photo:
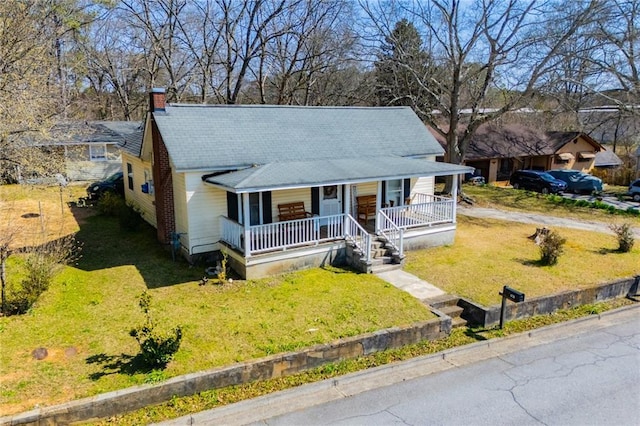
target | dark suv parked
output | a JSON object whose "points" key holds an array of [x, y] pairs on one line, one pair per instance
{"points": [[634, 190], [534, 180], [114, 183]]}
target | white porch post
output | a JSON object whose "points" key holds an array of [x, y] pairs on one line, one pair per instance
{"points": [[378, 204], [454, 194], [246, 222], [346, 207]]}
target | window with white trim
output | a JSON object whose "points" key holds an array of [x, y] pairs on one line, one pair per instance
{"points": [[98, 152]]}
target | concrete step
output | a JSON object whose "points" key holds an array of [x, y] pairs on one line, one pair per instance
{"points": [[451, 310], [376, 269], [458, 322], [443, 300], [382, 260]]}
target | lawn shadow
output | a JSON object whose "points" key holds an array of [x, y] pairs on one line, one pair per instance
{"points": [[117, 364], [605, 251], [476, 334], [528, 262], [106, 244]]}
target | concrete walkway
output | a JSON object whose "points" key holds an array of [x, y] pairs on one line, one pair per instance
{"points": [[540, 219], [410, 283]]}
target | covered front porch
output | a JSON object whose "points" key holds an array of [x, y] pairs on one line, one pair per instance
{"points": [[423, 216], [329, 227]]}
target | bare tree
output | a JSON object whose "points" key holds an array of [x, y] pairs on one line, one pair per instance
{"points": [[159, 20], [117, 68], [489, 50]]}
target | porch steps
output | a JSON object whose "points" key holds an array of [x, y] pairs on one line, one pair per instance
{"points": [[383, 264], [383, 257], [447, 304]]}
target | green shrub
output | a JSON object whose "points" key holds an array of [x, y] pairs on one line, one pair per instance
{"points": [[110, 204], [624, 234], [582, 203], [41, 264], [551, 247], [156, 349]]}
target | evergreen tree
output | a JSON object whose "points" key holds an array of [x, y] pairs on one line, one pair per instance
{"points": [[402, 68]]}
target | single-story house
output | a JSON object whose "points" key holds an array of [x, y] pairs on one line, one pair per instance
{"points": [[90, 150], [497, 151], [279, 188], [607, 159]]}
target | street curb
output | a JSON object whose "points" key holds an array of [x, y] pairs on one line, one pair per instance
{"points": [[312, 394]]}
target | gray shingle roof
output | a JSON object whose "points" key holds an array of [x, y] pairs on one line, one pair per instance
{"points": [[607, 159], [211, 137], [333, 171]]}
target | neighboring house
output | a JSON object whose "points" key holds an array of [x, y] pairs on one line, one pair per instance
{"points": [[497, 151], [91, 150], [607, 159], [281, 188]]}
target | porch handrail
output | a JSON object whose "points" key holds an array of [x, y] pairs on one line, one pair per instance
{"points": [[422, 198], [391, 232], [232, 232], [439, 210], [356, 234]]}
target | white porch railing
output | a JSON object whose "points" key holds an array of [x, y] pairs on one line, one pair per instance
{"points": [[293, 233], [232, 232], [390, 231], [424, 210], [358, 236]]}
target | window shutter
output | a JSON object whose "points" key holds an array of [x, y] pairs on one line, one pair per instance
{"points": [[315, 200], [407, 189], [384, 193], [232, 206], [266, 207]]}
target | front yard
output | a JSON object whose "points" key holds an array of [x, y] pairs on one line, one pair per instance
{"points": [[84, 319], [489, 254]]}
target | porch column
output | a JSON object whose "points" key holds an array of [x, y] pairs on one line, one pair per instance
{"points": [[246, 223], [454, 194], [346, 207], [378, 204]]}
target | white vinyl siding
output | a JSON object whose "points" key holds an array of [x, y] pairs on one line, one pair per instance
{"points": [[79, 166], [205, 205], [423, 185], [290, 196], [367, 188], [180, 199]]}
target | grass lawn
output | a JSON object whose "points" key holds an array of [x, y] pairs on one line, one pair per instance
{"points": [[519, 200], [84, 318], [488, 254]]}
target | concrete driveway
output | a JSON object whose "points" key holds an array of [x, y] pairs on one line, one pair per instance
{"points": [[611, 200], [538, 219]]}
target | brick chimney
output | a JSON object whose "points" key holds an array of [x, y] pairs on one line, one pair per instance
{"points": [[162, 177], [157, 99]]}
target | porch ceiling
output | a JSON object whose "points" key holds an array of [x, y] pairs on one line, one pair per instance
{"points": [[295, 174]]}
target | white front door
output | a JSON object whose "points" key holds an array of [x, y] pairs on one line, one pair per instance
{"points": [[330, 200]]}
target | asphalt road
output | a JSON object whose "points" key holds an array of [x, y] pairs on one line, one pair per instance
{"points": [[585, 372]]}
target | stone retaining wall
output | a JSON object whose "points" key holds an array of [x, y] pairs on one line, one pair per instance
{"points": [[478, 314], [125, 400]]}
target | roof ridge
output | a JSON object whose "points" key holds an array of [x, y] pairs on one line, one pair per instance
{"points": [[275, 106]]}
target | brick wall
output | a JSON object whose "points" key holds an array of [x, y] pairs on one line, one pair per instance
{"points": [[163, 184]]}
